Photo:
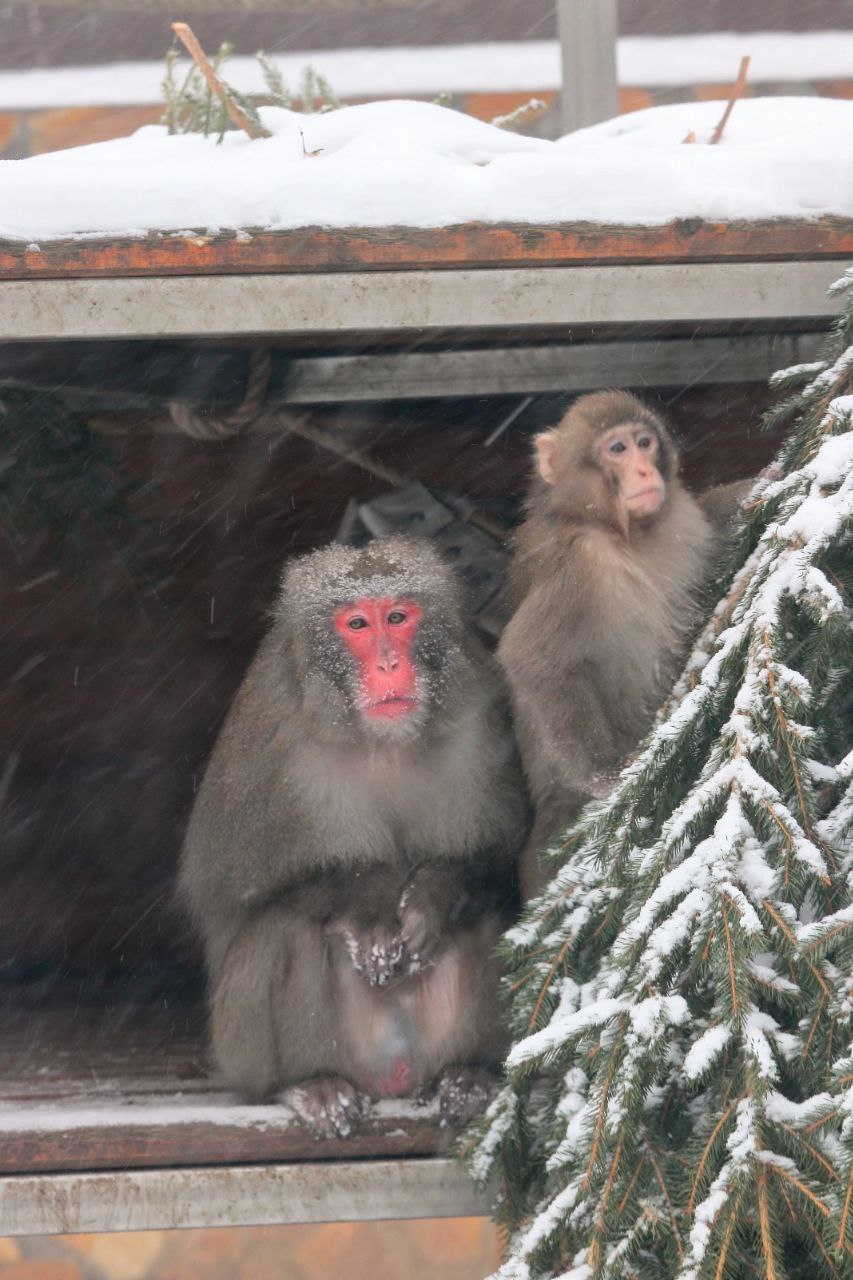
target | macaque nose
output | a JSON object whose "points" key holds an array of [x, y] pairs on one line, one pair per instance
{"points": [[387, 659]]}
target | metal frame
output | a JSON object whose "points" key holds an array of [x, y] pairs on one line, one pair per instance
{"points": [[581, 366], [401, 302], [237, 1195], [588, 31]]}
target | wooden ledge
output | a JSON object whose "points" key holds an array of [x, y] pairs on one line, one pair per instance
{"points": [[406, 248], [162, 1128], [107, 1089]]}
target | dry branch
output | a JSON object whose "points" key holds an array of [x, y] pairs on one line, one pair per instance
{"points": [[737, 91], [190, 42]]}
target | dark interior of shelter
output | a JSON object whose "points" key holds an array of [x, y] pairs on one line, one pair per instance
{"points": [[138, 568]]}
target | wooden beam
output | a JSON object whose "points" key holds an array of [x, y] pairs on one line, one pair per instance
{"points": [[237, 1195], [588, 31], [583, 366], [396, 303], [306, 249]]}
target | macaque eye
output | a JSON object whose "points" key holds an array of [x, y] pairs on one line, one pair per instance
{"points": [[616, 446], [357, 624], [644, 442], [396, 616]]}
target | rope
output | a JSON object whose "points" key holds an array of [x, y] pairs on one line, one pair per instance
{"points": [[203, 426]]}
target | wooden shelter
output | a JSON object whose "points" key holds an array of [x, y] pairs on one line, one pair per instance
{"points": [[108, 1120]]}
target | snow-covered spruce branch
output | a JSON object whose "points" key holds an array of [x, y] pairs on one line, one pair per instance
{"points": [[681, 986]]}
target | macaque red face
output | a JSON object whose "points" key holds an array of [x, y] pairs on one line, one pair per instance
{"points": [[380, 634], [629, 456]]}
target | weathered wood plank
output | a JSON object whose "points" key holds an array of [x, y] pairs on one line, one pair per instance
{"points": [[238, 1196], [382, 303], [139, 1131], [408, 248], [129, 1088]]}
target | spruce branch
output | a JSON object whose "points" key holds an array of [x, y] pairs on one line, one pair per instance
{"points": [[680, 1094], [521, 115]]}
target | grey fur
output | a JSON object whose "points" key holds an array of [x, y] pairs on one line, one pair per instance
{"points": [[317, 837]]}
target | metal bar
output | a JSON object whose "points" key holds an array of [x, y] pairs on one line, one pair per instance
{"points": [[588, 30], [518, 370], [416, 301], [237, 1195]]}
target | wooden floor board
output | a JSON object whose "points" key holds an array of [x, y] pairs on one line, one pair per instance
{"points": [[87, 1089]]}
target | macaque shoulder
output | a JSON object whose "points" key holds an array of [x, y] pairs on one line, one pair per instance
{"points": [[680, 545]]}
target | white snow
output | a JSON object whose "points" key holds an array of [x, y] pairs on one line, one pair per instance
{"points": [[200, 1108], [418, 165], [782, 1110], [491, 67], [741, 1145], [705, 1050], [756, 1028], [559, 1030], [500, 1115]]}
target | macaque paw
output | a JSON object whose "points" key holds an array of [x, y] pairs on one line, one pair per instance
{"points": [[463, 1093], [376, 952], [329, 1106], [419, 938], [426, 920]]}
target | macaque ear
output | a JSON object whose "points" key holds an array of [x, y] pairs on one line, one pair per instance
{"points": [[546, 448]]}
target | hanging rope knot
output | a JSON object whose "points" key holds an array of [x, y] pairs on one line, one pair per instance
{"points": [[205, 426]]}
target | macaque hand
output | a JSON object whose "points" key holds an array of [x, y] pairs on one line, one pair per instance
{"points": [[429, 904], [376, 950]]}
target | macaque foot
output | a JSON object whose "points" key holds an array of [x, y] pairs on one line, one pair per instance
{"points": [[329, 1106], [376, 952], [463, 1093]]}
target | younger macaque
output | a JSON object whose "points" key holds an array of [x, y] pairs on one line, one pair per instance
{"points": [[607, 572], [351, 856]]}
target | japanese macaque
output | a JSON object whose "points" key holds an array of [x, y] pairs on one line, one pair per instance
{"points": [[351, 857], [607, 572]]}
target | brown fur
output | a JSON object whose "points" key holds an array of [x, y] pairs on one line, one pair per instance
{"points": [[604, 607]]}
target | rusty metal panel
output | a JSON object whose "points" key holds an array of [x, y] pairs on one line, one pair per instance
{"points": [[406, 301], [244, 1195], [406, 248]]}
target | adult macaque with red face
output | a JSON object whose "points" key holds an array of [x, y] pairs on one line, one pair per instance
{"points": [[606, 576], [350, 860]]}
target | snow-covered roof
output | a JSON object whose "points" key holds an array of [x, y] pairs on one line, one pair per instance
{"points": [[419, 165]]}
